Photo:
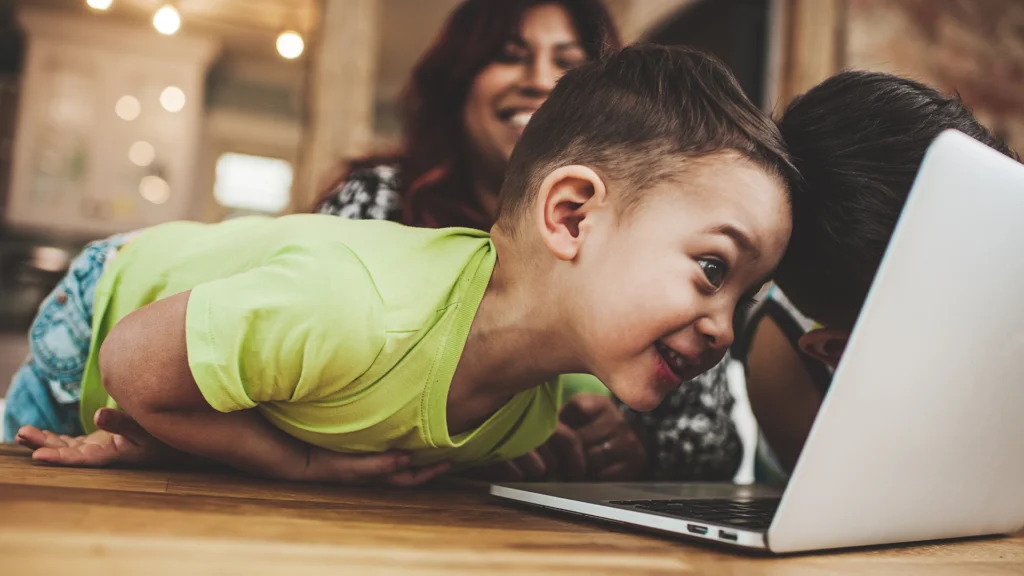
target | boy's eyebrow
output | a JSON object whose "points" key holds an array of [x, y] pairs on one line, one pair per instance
{"points": [[741, 238]]}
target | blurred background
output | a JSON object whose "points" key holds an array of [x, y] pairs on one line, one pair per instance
{"points": [[120, 114]]}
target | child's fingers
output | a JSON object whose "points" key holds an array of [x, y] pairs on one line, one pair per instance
{"points": [[532, 465], [63, 456], [497, 472], [572, 460], [356, 469], [619, 471], [54, 440], [49, 455], [551, 463], [90, 455], [583, 408], [600, 427], [60, 456], [409, 478], [32, 437]]}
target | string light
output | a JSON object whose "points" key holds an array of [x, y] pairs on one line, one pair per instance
{"points": [[154, 189], [102, 5], [172, 99], [167, 20], [128, 108], [142, 153], [290, 44]]}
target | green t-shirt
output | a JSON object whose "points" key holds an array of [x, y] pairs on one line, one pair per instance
{"points": [[344, 334]]}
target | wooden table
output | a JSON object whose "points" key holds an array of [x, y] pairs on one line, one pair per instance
{"points": [[82, 521]]}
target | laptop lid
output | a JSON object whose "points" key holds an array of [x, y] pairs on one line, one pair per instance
{"points": [[920, 436]]}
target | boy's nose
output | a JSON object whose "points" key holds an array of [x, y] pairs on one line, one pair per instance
{"points": [[716, 331]]}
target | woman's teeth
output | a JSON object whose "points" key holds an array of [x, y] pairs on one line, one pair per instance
{"points": [[520, 119], [677, 363]]}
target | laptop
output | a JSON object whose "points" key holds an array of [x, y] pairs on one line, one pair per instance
{"points": [[940, 339]]}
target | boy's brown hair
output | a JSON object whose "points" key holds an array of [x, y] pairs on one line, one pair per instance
{"points": [[630, 114]]}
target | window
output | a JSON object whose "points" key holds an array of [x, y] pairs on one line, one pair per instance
{"points": [[253, 183]]}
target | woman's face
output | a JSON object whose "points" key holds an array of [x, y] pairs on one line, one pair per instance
{"points": [[509, 90]]}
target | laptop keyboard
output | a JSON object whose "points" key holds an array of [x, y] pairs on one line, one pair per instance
{"points": [[748, 514]]}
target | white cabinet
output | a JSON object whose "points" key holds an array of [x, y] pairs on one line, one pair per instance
{"points": [[109, 125]]}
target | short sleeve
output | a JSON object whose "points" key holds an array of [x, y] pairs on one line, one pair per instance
{"points": [[300, 327]]}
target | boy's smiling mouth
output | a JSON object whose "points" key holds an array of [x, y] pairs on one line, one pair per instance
{"points": [[675, 361]]}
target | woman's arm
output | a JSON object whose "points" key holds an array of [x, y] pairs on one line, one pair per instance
{"points": [[783, 396]]}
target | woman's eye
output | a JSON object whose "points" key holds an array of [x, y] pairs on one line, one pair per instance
{"points": [[714, 270], [512, 55], [566, 64]]}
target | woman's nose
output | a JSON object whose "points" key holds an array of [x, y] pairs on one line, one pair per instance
{"points": [[541, 76]]}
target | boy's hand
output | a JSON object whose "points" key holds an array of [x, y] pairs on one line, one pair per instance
{"points": [[119, 441]]}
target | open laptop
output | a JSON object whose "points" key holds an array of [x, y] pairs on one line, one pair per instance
{"points": [[921, 435]]}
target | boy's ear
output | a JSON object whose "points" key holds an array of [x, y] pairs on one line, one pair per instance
{"points": [[567, 196], [825, 344]]}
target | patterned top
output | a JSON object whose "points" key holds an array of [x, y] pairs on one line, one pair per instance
{"points": [[694, 435], [370, 194]]}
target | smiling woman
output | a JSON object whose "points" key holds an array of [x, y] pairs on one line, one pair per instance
{"points": [[466, 104]]}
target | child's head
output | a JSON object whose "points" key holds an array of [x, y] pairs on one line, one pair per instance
{"points": [[649, 196], [858, 140]]}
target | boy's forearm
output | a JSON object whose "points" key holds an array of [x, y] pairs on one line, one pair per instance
{"points": [[242, 440]]}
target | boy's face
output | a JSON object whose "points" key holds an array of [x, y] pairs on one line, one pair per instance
{"points": [[659, 285]]}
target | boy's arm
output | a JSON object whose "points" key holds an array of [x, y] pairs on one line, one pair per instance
{"points": [[144, 364]]}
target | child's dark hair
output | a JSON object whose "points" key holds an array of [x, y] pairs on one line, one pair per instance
{"points": [[630, 115], [858, 140]]}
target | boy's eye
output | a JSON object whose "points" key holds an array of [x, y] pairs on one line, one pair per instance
{"points": [[714, 270]]}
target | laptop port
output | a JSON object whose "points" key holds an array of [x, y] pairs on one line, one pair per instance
{"points": [[730, 536], [695, 529]]}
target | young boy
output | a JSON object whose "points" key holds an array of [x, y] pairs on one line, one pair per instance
{"points": [[858, 139], [644, 202]]}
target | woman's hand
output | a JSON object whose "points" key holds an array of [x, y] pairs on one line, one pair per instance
{"points": [[593, 441], [612, 449]]}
